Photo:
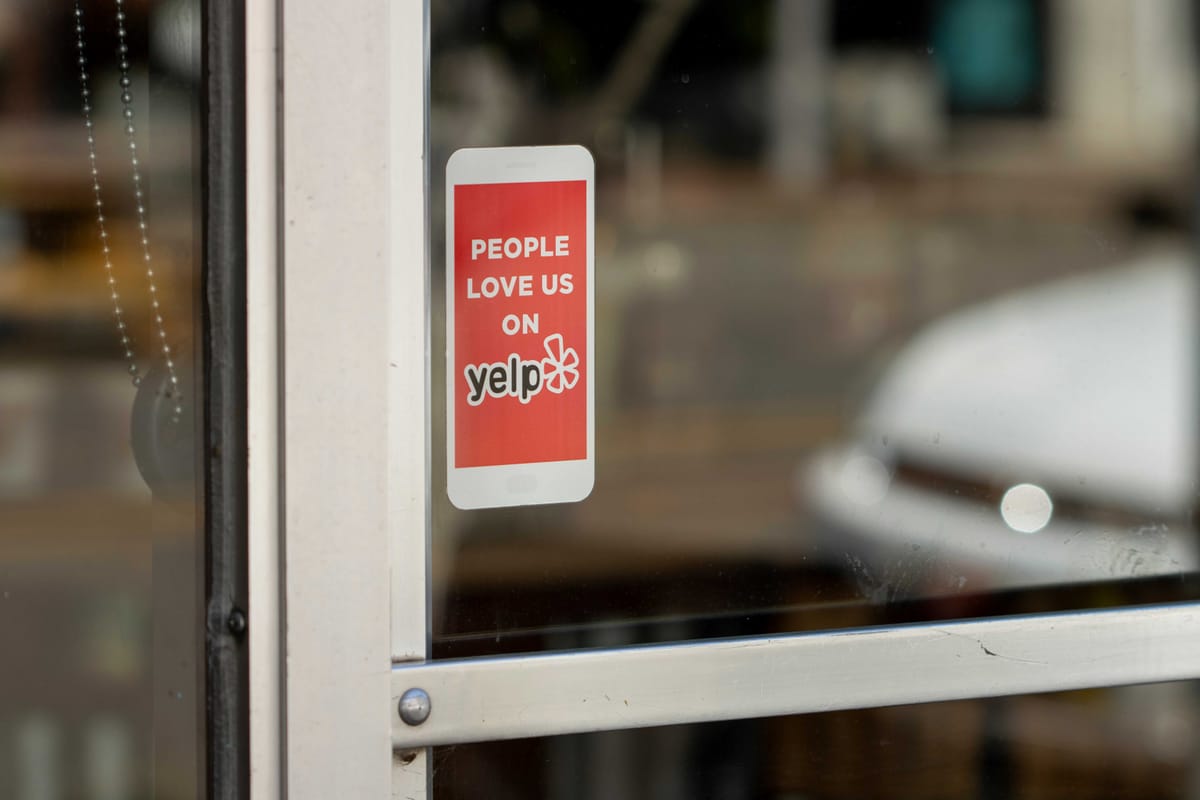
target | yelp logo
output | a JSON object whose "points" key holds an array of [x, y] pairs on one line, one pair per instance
{"points": [[561, 365], [516, 377]]}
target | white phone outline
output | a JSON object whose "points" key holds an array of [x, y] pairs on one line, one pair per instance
{"points": [[542, 482]]}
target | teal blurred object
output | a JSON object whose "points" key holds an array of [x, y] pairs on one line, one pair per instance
{"points": [[988, 52]]}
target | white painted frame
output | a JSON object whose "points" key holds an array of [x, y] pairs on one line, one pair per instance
{"points": [[349, 278], [339, 479]]}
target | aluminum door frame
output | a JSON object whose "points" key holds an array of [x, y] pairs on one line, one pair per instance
{"points": [[336, 308], [344, 411]]}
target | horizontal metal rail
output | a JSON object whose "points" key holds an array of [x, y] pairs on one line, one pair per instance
{"points": [[514, 697]]}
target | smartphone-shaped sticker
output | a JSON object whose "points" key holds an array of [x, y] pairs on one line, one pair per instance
{"points": [[520, 283]]}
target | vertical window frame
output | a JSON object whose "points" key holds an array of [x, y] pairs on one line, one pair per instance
{"points": [[223, 320]]}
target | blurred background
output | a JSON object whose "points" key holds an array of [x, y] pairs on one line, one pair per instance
{"points": [[895, 321], [100, 666], [891, 305]]}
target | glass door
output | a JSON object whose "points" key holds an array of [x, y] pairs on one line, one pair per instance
{"points": [[894, 376], [103, 394], [878, 299]]}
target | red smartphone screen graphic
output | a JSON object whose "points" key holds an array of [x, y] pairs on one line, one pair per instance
{"points": [[520, 323]]}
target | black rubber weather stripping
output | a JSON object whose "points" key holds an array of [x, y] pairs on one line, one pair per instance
{"points": [[223, 166]]}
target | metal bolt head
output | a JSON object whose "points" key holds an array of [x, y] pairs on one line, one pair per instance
{"points": [[415, 706], [236, 622]]}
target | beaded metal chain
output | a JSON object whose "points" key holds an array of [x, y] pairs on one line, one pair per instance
{"points": [[143, 230]]}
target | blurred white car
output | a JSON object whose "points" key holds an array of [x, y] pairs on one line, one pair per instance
{"points": [[1045, 437]]}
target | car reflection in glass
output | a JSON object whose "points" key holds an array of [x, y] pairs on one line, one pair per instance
{"points": [[1043, 438]]}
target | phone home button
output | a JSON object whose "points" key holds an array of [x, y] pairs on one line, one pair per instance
{"points": [[522, 484]]}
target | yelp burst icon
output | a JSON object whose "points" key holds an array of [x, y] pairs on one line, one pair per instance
{"points": [[560, 368]]}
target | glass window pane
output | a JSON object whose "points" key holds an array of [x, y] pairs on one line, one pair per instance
{"points": [[895, 314], [100, 535]]}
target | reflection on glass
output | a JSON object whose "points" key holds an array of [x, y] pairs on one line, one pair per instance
{"points": [[895, 312], [1026, 508], [1130, 742], [100, 680]]}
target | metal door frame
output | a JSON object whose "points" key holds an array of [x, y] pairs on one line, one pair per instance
{"points": [[339, 455], [338, 510]]}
